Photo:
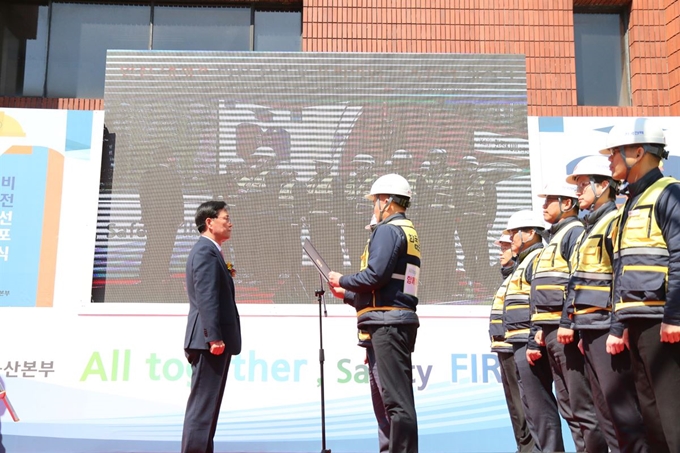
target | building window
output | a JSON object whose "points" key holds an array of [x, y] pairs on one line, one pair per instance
{"points": [[183, 28], [278, 31], [601, 50], [79, 37], [59, 50]]}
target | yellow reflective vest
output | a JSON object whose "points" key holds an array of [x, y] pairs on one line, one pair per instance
{"points": [[550, 280], [590, 286], [641, 258], [496, 327], [516, 307]]}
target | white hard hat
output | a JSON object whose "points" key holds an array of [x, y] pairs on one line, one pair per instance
{"points": [[558, 189], [470, 160], [401, 154], [636, 131], [505, 238], [392, 184], [525, 218], [590, 166], [264, 151], [363, 159]]}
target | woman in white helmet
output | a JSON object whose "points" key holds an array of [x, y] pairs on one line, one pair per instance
{"points": [[588, 310], [385, 294]]}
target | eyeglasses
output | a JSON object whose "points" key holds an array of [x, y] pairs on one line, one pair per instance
{"points": [[225, 218], [582, 186]]}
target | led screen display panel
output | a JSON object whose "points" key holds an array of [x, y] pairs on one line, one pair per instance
{"points": [[292, 142]]}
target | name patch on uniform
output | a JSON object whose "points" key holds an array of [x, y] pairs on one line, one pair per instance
{"points": [[411, 279]]}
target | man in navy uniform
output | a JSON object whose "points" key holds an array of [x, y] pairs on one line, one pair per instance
{"points": [[646, 275], [385, 294]]}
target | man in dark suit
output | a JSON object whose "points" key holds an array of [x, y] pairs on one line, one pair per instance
{"points": [[213, 328]]}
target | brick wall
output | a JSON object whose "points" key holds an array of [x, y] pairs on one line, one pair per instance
{"points": [[672, 37], [540, 29]]}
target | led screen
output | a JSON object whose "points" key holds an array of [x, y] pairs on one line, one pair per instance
{"points": [[292, 142]]}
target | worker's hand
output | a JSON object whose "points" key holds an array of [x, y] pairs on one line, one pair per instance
{"points": [[670, 333], [616, 344], [538, 338], [533, 355], [580, 346], [338, 292], [564, 335], [334, 279]]}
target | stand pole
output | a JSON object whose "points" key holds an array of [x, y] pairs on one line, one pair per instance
{"points": [[319, 297]]}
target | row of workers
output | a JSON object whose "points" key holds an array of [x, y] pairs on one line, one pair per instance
{"points": [[591, 305]]}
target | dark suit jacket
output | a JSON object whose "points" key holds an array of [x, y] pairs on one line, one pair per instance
{"points": [[213, 315]]}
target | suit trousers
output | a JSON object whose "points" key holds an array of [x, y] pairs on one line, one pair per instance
{"points": [[612, 375], [378, 404], [541, 408], [208, 379], [392, 346], [513, 398], [574, 397], [656, 370]]}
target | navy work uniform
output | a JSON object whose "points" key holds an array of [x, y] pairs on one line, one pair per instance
{"points": [[384, 293], [646, 293], [588, 310], [535, 381], [508, 368], [548, 291]]}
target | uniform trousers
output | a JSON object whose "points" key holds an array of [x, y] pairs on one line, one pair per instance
{"points": [[378, 404], [572, 389], [656, 370], [541, 408], [513, 398], [613, 377], [392, 345]]}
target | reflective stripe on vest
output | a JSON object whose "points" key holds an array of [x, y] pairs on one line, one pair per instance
{"points": [[409, 274], [551, 277], [516, 311], [496, 327], [641, 256], [592, 277]]}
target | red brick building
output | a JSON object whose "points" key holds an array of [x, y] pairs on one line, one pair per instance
{"points": [[543, 31]]}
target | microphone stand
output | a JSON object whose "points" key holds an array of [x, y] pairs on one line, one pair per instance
{"points": [[319, 297]]}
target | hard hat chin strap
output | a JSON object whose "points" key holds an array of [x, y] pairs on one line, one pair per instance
{"points": [[559, 217], [622, 150], [388, 202], [593, 187]]}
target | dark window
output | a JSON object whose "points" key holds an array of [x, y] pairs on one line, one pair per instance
{"points": [[182, 28], [60, 50], [79, 38], [23, 49], [278, 31], [602, 76]]}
